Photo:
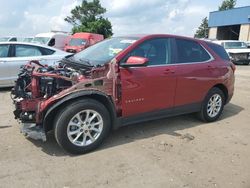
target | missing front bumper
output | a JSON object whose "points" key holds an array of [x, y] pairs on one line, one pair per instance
{"points": [[31, 130]]}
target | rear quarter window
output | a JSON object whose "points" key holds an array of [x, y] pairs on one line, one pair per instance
{"points": [[219, 50], [46, 51]]}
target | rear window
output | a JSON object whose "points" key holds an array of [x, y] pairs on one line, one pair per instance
{"points": [[190, 51], [219, 50]]}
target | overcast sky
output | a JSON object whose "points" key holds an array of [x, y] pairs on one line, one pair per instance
{"points": [[29, 17]]}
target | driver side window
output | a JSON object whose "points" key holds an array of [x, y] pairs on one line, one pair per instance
{"points": [[158, 51]]}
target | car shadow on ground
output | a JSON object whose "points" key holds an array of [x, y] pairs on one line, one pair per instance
{"points": [[131, 133]]}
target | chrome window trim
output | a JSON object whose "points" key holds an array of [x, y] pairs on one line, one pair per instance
{"points": [[187, 63]]}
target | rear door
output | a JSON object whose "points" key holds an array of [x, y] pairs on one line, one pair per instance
{"points": [[149, 88], [196, 70]]}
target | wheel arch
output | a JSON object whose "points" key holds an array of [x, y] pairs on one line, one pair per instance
{"points": [[52, 111], [224, 89]]}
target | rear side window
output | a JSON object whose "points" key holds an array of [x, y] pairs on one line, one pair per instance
{"points": [[190, 51], [4, 50], [219, 50]]}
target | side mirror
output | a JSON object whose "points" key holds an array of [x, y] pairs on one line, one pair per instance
{"points": [[135, 61]]}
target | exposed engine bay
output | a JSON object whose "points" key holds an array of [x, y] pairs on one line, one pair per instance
{"points": [[48, 80], [37, 82]]}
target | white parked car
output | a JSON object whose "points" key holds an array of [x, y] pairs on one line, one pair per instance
{"points": [[52, 39], [237, 51], [15, 54]]}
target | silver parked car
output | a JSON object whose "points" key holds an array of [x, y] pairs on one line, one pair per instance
{"points": [[15, 54]]}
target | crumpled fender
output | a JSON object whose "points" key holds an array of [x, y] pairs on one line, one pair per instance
{"points": [[109, 103]]}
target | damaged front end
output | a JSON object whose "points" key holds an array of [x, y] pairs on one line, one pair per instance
{"points": [[39, 87]]}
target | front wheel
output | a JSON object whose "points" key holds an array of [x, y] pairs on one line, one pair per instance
{"points": [[82, 126], [213, 105]]}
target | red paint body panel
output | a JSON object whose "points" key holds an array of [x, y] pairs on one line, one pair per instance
{"points": [[194, 81], [144, 90]]}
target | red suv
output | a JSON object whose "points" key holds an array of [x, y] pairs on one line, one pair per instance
{"points": [[121, 81]]}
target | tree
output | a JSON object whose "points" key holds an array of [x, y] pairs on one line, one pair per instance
{"points": [[88, 17], [202, 31], [227, 4]]}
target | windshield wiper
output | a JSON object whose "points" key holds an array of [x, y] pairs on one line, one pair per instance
{"points": [[77, 64]]}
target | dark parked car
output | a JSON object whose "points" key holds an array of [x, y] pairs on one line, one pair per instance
{"points": [[121, 81]]}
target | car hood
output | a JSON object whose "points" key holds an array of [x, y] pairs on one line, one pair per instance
{"points": [[238, 50]]}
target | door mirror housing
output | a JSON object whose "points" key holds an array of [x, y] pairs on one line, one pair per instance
{"points": [[135, 61]]}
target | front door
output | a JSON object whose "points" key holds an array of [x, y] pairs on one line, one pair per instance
{"points": [[149, 88]]}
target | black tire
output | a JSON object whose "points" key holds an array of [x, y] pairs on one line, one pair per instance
{"points": [[65, 116], [246, 63], [203, 114]]}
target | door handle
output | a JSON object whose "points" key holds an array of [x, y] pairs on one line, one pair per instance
{"points": [[169, 71], [2, 62]]}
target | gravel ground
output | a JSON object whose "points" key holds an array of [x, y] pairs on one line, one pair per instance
{"points": [[173, 152]]}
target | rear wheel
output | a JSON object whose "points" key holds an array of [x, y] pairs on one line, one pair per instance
{"points": [[82, 126], [213, 105]]}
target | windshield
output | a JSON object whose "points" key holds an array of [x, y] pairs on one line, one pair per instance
{"points": [[4, 39], [77, 42], [104, 51], [234, 45], [41, 40]]}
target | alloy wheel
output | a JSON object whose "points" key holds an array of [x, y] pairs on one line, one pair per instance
{"points": [[85, 127], [214, 105]]}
